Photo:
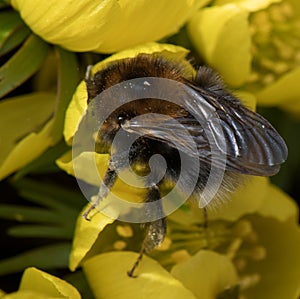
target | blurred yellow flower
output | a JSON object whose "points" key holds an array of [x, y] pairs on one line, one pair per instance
{"points": [[106, 26], [221, 35], [254, 45], [276, 55]]}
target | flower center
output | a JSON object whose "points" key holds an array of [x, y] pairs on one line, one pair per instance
{"points": [[239, 241], [275, 43]]}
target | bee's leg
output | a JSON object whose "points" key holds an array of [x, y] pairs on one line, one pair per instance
{"points": [[116, 163], [107, 183], [156, 230]]}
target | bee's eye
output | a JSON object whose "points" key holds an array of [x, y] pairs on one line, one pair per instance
{"points": [[122, 118]]}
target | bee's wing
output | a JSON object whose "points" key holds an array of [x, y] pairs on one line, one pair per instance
{"points": [[248, 142], [253, 146]]}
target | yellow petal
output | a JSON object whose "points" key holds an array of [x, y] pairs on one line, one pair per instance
{"points": [[24, 130], [257, 196], [285, 91], [2, 293], [77, 26], [296, 7], [279, 272], [46, 284], [26, 295], [247, 199], [250, 5], [121, 189], [139, 16], [221, 35], [107, 276], [107, 26], [75, 111], [206, 274], [248, 99], [278, 204], [83, 173], [85, 236], [78, 103]]}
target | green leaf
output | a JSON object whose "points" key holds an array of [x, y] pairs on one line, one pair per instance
{"points": [[13, 31], [23, 64], [4, 4], [68, 74], [25, 126], [45, 163], [46, 257], [28, 214], [63, 199], [57, 221], [78, 280], [41, 231]]}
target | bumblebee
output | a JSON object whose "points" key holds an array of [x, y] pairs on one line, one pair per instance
{"points": [[253, 146]]}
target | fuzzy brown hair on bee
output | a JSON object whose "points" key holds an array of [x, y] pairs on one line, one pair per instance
{"points": [[253, 146]]}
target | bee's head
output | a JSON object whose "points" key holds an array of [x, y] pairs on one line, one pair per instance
{"points": [[113, 123]]}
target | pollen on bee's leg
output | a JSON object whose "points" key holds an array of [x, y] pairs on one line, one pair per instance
{"points": [[155, 236], [156, 231]]}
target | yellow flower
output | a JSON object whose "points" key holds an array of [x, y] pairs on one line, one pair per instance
{"points": [[38, 284], [254, 45], [221, 35], [106, 26], [245, 249], [205, 275], [276, 55], [262, 240]]}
